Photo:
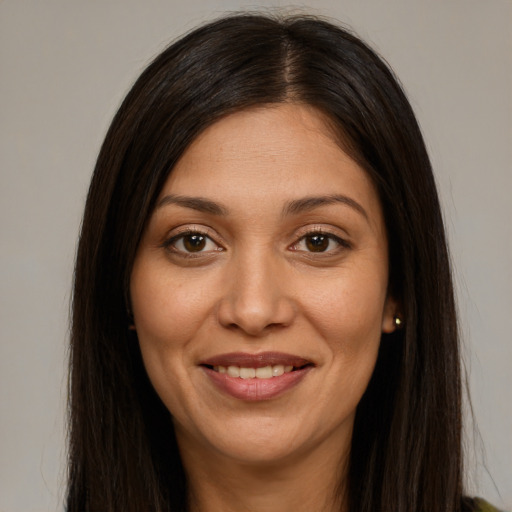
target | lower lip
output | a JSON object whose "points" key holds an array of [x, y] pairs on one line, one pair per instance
{"points": [[253, 390]]}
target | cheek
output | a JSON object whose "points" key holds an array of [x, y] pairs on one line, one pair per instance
{"points": [[349, 310], [166, 315], [347, 313], [167, 311]]}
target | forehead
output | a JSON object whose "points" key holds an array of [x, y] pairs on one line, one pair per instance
{"points": [[270, 154]]}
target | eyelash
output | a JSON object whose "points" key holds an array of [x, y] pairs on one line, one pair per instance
{"points": [[342, 244], [170, 243]]}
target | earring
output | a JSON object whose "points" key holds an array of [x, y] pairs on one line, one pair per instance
{"points": [[397, 321]]}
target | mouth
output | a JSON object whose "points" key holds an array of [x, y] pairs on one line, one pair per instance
{"points": [[265, 365], [263, 372], [256, 376]]}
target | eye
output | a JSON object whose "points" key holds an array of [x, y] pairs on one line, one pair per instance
{"points": [[319, 242], [192, 242]]}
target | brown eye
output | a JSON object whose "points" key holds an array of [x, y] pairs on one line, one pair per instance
{"points": [[317, 243], [194, 243]]}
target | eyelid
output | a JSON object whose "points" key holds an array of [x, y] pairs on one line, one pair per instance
{"points": [[323, 229], [188, 229], [332, 233]]}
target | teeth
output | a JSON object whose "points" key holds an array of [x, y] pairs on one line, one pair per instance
{"points": [[277, 370], [266, 372], [233, 371], [247, 373]]}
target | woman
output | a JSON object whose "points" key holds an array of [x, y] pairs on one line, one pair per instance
{"points": [[263, 313]]}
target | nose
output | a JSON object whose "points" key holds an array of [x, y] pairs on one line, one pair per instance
{"points": [[256, 298]]}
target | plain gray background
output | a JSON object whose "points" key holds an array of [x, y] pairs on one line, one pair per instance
{"points": [[65, 66]]}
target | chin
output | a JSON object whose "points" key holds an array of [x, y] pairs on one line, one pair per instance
{"points": [[264, 441]]}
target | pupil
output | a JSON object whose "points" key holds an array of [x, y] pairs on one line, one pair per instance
{"points": [[317, 243], [194, 243]]}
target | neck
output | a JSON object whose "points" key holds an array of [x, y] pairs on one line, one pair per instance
{"points": [[308, 483]]}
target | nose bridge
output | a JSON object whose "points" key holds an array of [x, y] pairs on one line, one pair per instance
{"points": [[256, 297]]}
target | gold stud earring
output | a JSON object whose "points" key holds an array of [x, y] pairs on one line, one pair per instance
{"points": [[397, 321]]}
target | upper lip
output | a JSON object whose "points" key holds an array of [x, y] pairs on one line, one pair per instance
{"points": [[260, 360]]}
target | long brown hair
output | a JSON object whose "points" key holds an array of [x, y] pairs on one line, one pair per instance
{"points": [[406, 450]]}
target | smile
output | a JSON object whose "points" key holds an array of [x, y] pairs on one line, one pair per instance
{"points": [[265, 372], [254, 377]]}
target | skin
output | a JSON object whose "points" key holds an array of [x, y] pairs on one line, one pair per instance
{"points": [[257, 286]]}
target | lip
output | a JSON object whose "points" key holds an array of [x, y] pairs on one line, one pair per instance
{"points": [[253, 390]]}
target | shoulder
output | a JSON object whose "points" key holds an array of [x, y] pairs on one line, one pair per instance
{"points": [[481, 505]]}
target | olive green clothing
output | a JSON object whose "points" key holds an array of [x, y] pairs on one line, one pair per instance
{"points": [[484, 506]]}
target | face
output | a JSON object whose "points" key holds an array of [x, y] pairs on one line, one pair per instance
{"points": [[259, 289]]}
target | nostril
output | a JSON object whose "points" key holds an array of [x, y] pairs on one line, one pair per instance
{"points": [[254, 312]]}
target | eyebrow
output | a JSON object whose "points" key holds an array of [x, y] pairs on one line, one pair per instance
{"points": [[310, 203], [292, 208], [195, 203]]}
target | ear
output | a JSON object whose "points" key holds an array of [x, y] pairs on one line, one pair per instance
{"points": [[390, 314]]}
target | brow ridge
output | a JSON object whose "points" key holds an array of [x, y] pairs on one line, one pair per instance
{"points": [[293, 207], [309, 203], [195, 203]]}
